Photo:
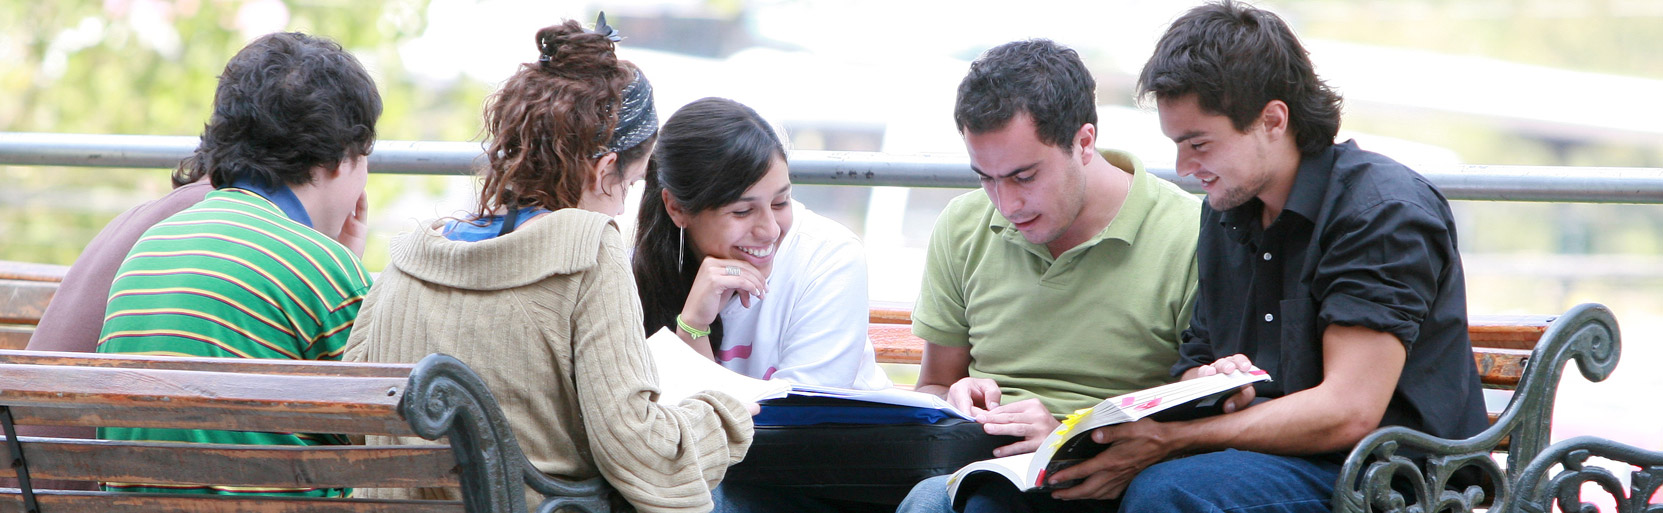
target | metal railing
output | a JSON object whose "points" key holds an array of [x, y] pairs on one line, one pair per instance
{"points": [[1467, 182]]}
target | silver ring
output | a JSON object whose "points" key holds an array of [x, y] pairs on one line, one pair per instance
{"points": [[732, 270]]}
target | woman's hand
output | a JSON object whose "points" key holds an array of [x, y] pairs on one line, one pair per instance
{"points": [[719, 279]]}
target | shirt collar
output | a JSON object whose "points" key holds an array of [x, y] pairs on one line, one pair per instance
{"points": [[1310, 186], [1124, 227], [279, 195]]}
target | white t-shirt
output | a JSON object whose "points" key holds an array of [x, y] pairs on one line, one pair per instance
{"points": [[811, 328]]}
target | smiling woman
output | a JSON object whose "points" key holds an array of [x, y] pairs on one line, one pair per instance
{"points": [[745, 275]]}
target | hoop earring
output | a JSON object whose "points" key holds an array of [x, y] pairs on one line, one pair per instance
{"points": [[681, 249]]}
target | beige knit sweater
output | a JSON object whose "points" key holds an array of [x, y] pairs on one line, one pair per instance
{"points": [[548, 316]]}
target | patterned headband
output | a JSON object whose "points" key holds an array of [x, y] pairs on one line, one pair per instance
{"points": [[637, 119]]}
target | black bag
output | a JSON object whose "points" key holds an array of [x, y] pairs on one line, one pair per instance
{"points": [[859, 462]]}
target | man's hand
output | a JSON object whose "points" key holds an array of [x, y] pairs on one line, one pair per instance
{"points": [[1028, 419], [355, 230], [1132, 448], [1233, 363], [973, 396]]}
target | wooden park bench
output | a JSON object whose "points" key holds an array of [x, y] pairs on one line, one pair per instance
{"points": [[25, 289], [1519, 360], [437, 398]]}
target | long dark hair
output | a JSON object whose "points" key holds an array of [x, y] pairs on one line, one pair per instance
{"points": [[551, 118], [709, 153]]}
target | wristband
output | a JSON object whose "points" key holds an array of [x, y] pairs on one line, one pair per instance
{"points": [[696, 333]]}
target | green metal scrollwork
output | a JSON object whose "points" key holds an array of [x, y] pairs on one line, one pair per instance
{"points": [[1587, 334], [1566, 486], [446, 398]]}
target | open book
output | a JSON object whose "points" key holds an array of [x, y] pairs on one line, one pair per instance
{"points": [[683, 372], [1071, 442]]}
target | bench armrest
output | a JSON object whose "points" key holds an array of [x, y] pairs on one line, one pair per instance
{"points": [[1587, 334], [1536, 492], [446, 399]]}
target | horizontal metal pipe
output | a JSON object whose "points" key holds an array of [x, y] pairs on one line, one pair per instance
{"points": [[1469, 182]]}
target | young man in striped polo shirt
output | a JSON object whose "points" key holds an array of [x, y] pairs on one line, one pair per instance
{"points": [[267, 265]]}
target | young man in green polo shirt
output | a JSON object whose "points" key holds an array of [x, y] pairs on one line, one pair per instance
{"points": [[1068, 278]]}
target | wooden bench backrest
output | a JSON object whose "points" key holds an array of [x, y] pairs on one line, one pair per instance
{"points": [[24, 291], [1501, 343], [74, 389]]}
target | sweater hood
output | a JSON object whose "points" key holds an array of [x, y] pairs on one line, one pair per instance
{"points": [[565, 241]]}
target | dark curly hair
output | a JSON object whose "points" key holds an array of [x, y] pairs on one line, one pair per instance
{"points": [[712, 150], [1236, 58], [1044, 79], [286, 103], [550, 120]]}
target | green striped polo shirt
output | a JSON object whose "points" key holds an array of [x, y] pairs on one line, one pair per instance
{"points": [[233, 277]]}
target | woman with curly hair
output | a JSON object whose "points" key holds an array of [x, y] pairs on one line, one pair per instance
{"points": [[533, 289]]}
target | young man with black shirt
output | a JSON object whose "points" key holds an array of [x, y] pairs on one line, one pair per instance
{"points": [[1331, 267]]}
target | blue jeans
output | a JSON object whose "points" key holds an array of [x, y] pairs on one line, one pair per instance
{"points": [[993, 495], [1225, 481], [1234, 481]]}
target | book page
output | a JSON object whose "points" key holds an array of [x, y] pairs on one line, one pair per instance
{"points": [[1067, 444], [683, 372], [893, 396], [1012, 468]]}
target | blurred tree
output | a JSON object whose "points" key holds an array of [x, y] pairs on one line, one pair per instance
{"points": [[150, 67]]}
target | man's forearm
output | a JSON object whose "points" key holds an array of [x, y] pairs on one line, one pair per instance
{"points": [[1308, 422]]}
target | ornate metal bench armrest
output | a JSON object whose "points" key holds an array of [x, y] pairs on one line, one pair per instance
{"points": [[446, 398], [1365, 482], [1587, 333], [1536, 492]]}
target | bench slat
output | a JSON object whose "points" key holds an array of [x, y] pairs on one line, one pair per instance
{"points": [[214, 400], [29, 271], [236, 465], [1497, 331], [1496, 367], [109, 502], [38, 385], [895, 343], [175, 418], [1501, 368], [1507, 331], [189, 363], [21, 302], [14, 337]]}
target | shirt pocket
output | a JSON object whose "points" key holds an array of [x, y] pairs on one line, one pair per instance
{"points": [[1301, 347]]}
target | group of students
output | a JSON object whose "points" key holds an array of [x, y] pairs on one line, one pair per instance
{"points": [[1073, 275]]}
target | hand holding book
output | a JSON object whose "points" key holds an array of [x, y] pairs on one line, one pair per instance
{"points": [[1070, 442], [1229, 364]]}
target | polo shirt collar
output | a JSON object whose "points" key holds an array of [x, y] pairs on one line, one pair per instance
{"points": [[1139, 200], [279, 195]]}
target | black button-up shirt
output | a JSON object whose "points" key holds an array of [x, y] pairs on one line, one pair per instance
{"points": [[1363, 241]]}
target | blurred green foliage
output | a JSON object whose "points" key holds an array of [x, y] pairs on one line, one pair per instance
{"points": [[150, 67]]}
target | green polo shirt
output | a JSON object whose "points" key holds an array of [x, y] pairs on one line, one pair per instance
{"points": [[1100, 320]]}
